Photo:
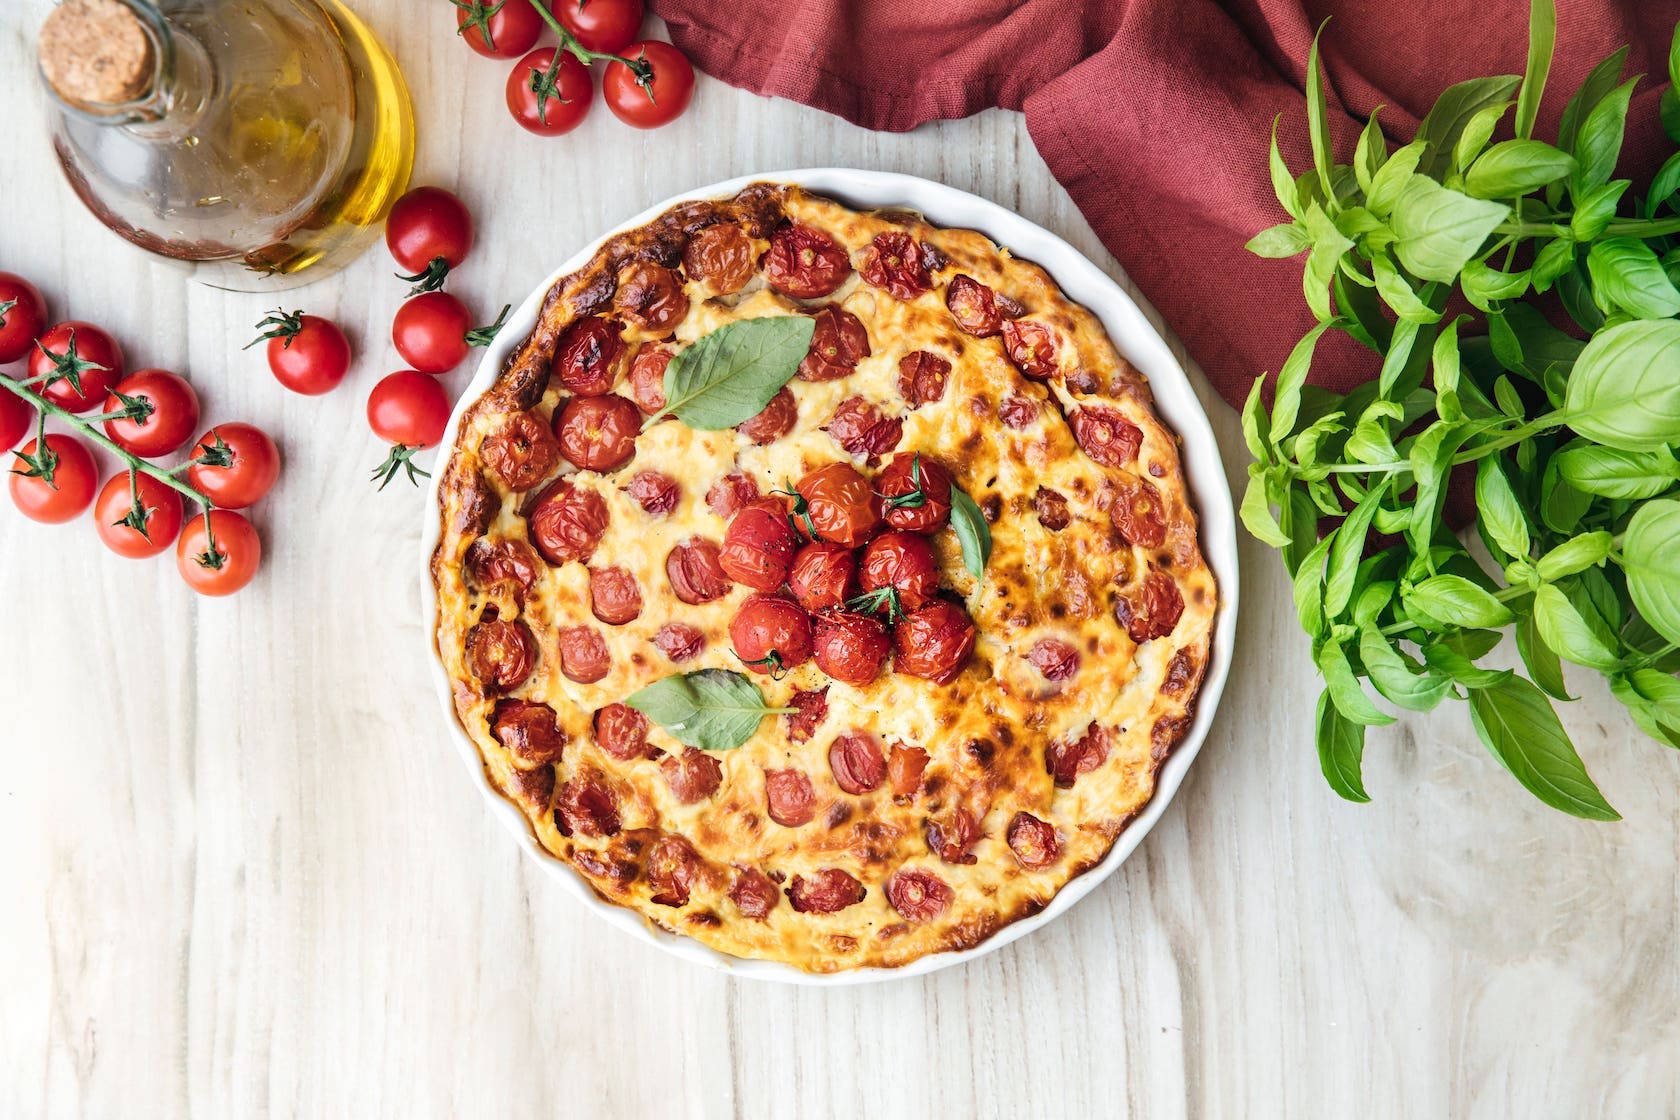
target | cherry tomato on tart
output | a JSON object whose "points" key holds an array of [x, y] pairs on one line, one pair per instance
{"points": [[820, 585]]}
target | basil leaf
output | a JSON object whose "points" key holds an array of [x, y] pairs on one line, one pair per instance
{"points": [[1349, 699], [1318, 123], [1256, 424], [1667, 181], [1309, 588], [1483, 285], [1286, 239], [1370, 153], [1592, 593], [1299, 518], [1329, 245], [1431, 459], [1651, 717], [1650, 546], [1625, 388], [1516, 167], [1610, 473], [1568, 633], [1397, 292], [1256, 509], [730, 374], [1283, 183], [1542, 36], [1397, 677], [713, 709], [1387, 183], [1436, 230], [1595, 208], [1554, 259], [1518, 725], [1452, 600], [1599, 140], [1461, 668], [1561, 505], [1444, 364], [1498, 511], [973, 533], [1341, 747], [1668, 111], [1625, 271], [1286, 395], [1452, 113], [1542, 661], [1601, 81], [1574, 555], [1346, 552]]}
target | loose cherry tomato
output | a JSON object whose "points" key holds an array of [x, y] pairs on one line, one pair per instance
{"points": [[759, 545], [81, 349], [16, 418], [549, 104], [429, 232], [916, 492], [821, 576], [850, 647], [23, 316], [231, 565], [606, 26], [836, 504], [430, 332], [589, 355], [664, 97], [598, 433], [237, 464], [903, 562], [170, 413], [805, 263], [771, 633], [115, 505], [306, 353], [934, 642], [498, 28], [75, 477], [409, 408]]}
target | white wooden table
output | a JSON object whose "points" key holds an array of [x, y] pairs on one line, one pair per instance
{"points": [[245, 875]]}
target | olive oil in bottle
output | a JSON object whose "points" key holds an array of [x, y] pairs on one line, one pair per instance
{"points": [[260, 141]]}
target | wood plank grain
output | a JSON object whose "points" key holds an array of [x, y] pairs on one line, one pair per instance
{"points": [[246, 876]]}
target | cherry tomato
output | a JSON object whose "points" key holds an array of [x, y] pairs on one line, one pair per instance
{"points": [[607, 26], [598, 433], [821, 576], [614, 596], [1031, 348], [234, 563], [1152, 609], [904, 770], [921, 377], [978, 309], [918, 896], [430, 332], [75, 478], [856, 762], [771, 633], [240, 464], [730, 493], [310, 355], [837, 343], [522, 452], [568, 522], [1033, 841], [172, 418], [1138, 513], [917, 493], [584, 656], [693, 775], [501, 653], [116, 502], [409, 408], [505, 566], [23, 316], [773, 421], [16, 418], [588, 357], [429, 232], [826, 891], [504, 29], [934, 642], [93, 354], [903, 562], [1054, 658], [850, 647], [759, 544], [894, 261], [621, 731], [695, 571], [530, 731], [805, 263], [721, 255], [666, 95], [836, 504], [647, 377], [549, 106], [656, 493], [1106, 436], [863, 430]]}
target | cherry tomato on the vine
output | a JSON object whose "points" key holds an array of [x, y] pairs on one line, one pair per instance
{"points": [[115, 506], [75, 477], [16, 418], [429, 232], [82, 349], [306, 353], [23, 316], [235, 465], [170, 408], [606, 26], [549, 105], [408, 410], [430, 332], [498, 28], [230, 565], [665, 96]]}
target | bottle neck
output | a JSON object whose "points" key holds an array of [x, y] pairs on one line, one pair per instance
{"points": [[168, 74]]}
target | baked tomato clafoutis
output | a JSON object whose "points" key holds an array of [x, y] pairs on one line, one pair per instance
{"points": [[945, 751]]}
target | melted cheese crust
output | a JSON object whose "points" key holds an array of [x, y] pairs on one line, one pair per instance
{"points": [[986, 733]]}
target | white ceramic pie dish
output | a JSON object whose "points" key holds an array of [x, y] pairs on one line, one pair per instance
{"points": [[1175, 401]]}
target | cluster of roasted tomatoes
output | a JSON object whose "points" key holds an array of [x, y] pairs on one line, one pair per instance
{"points": [[141, 416], [550, 89]]}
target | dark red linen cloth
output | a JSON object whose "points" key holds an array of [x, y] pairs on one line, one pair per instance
{"points": [[1155, 114]]}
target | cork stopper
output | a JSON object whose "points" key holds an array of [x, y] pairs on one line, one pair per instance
{"points": [[95, 52]]}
